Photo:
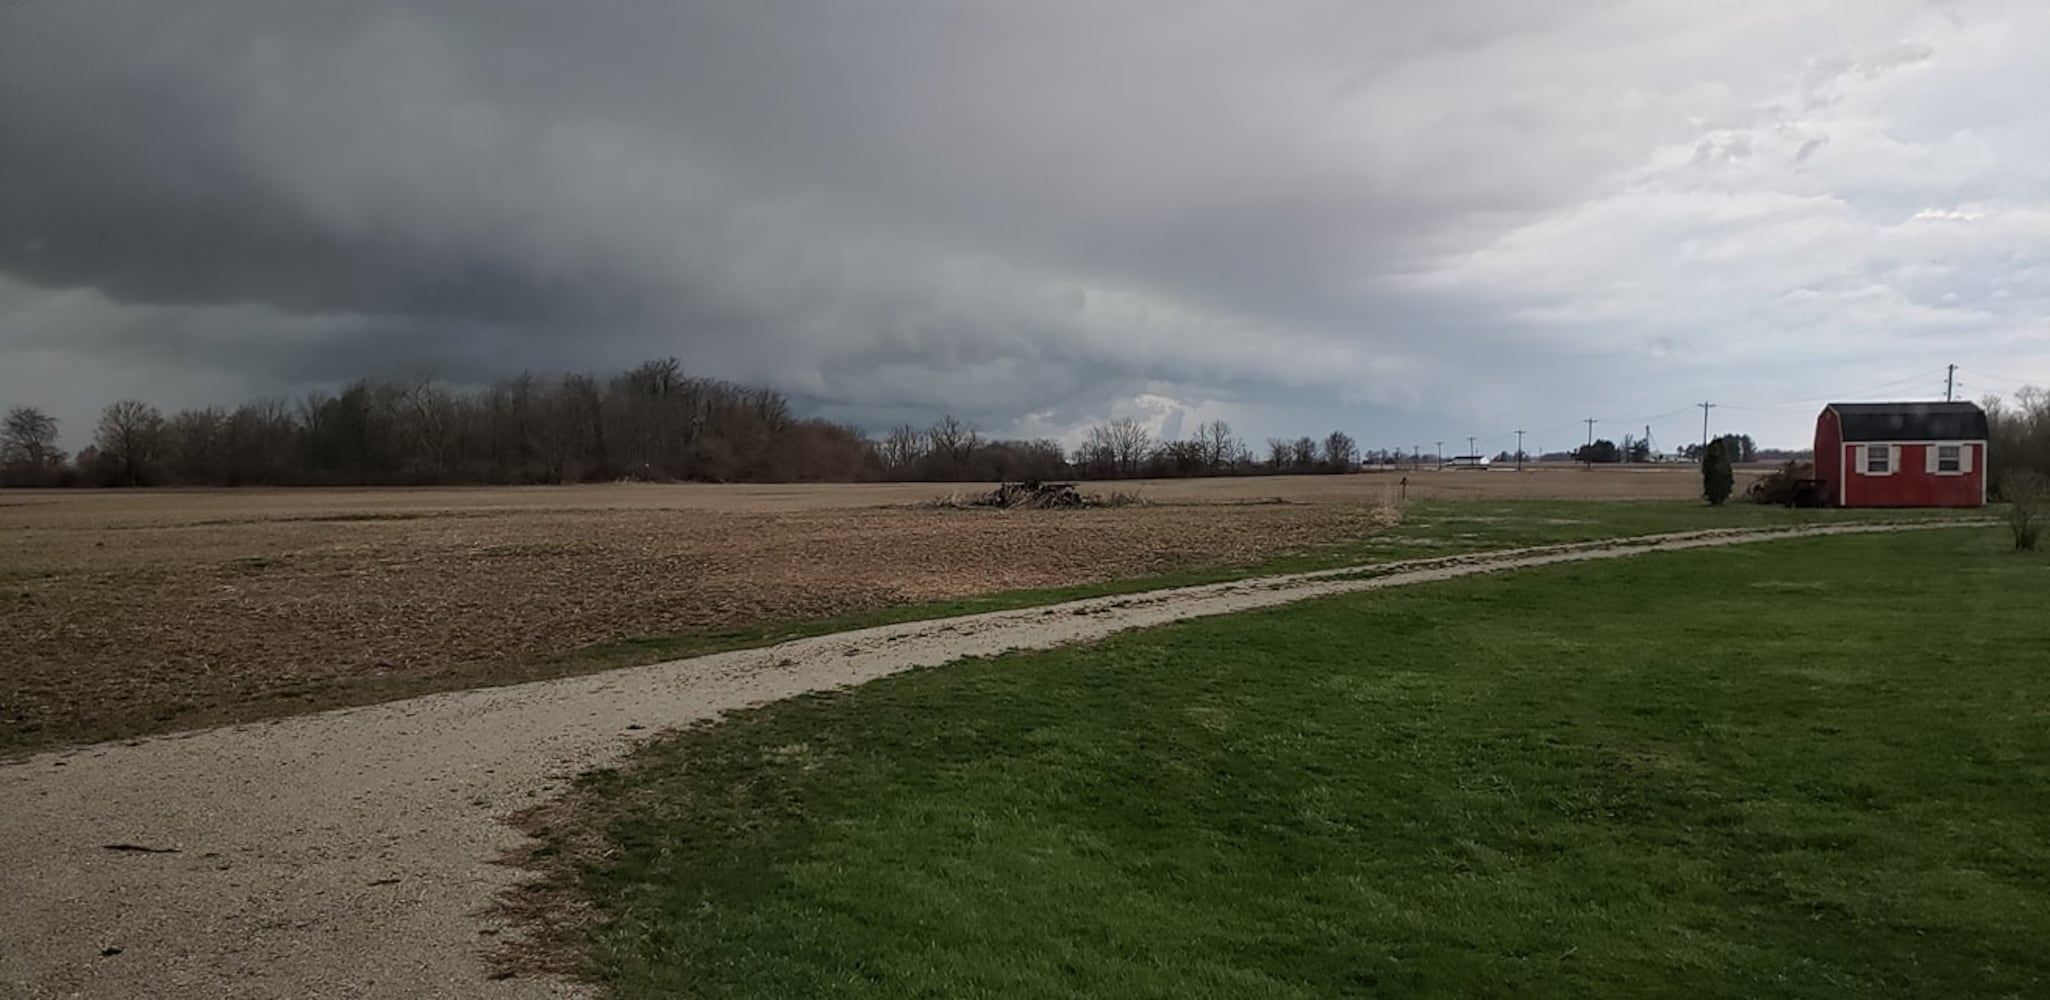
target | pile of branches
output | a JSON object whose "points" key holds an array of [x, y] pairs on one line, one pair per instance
{"points": [[1791, 485], [1035, 495]]}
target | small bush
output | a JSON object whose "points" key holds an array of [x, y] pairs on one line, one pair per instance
{"points": [[2027, 493], [1718, 480]]}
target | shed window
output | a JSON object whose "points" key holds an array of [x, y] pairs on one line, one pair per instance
{"points": [[1876, 459], [1950, 458]]}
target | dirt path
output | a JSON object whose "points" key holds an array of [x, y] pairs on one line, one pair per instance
{"points": [[348, 854]]}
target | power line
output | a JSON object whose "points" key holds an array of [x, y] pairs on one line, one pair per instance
{"points": [[1656, 416], [2009, 381], [1923, 377]]}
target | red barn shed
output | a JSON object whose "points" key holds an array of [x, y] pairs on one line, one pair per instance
{"points": [[1902, 454]]}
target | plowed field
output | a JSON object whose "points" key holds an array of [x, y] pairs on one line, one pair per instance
{"points": [[128, 612]]}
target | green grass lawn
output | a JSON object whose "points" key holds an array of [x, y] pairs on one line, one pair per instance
{"points": [[1813, 768]]}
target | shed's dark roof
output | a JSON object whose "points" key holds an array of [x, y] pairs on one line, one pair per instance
{"points": [[1911, 421]]}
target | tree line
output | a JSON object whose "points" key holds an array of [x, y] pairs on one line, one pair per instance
{"points": [[2017, 437], [656, 422], [1738, 448], [653, 422]]}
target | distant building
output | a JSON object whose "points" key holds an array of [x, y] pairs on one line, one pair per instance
{"points": [[1467, 462], [1902, 454]]}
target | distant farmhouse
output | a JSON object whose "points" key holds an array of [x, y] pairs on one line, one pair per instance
{"points": [[1902, 454]]}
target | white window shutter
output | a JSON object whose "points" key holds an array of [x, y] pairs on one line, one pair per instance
{"points": [[1893, 459], [1929, 457], [1964, 459]]}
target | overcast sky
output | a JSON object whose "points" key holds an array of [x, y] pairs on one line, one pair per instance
{"points": [[1412, 221]]}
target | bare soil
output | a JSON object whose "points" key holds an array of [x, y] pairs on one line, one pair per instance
{"points": [[1555, 482], [127, 612]]}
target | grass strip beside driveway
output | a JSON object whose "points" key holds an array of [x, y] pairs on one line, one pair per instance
{"points": [[1810, 768]]}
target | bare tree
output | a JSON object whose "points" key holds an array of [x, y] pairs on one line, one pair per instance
{"points": [[1280, 453], [348, 437], [1096, 458], [903, 448], [1129, 444], [1119, 449], [1220, 448], [28, 446], [426, 426], [2018, 435], [130, 441], [1340, 453], [646, 411], [1179, 458], [560, 432], [264, 445], [819, 451], [1303, 455], [952, 440], [196, 446], [1030, 460]]}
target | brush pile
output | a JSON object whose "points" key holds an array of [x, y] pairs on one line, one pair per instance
{"points": [[1035, 495], [1791, 485]]}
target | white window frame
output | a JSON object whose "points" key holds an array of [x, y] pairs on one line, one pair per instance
{"points": [[1966, 458], [1868, 451], [1955, 459]]}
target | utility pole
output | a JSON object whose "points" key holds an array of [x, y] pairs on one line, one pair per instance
{"points": [[1949, 383], [1589, 453], [1519, 451], [1440, 456], [1469, 447], [1417, 456], [1705, 407]]}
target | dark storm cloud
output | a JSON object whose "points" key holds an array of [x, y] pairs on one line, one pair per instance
{"points": [[1035, 215]]}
